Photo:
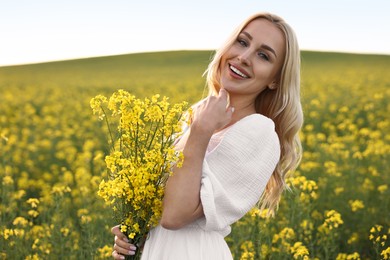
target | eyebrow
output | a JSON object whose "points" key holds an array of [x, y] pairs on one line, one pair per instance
{"points": [[264, 46]]}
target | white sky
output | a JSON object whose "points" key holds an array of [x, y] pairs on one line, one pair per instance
{"points": [[45, 30]]}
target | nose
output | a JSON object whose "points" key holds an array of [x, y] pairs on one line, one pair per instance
{"points": [[244, 57]]}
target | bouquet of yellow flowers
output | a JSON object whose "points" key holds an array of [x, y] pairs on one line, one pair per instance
{"points": [[141, 158]]}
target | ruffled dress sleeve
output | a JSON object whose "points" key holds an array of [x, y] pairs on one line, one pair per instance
{"points": [[236, 171]]}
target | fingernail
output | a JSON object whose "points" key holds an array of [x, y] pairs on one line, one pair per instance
{"points": [[232, 109], [131, 253], [133, 248], [122, 257], [126, 239]]}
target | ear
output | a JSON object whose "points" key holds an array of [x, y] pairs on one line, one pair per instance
{"points": [[273, 85]]}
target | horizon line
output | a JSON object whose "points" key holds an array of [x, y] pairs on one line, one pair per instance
{"points": [[171, 50]]}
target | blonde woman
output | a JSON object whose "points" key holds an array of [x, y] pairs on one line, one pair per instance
{"points": [[242, 142]]}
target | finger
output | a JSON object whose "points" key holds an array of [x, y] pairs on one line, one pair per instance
{"points": [[222, 93], [125, 245], [115, 255], [117, 232], [124, 251]]}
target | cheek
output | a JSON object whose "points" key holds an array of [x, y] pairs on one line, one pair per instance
{"points": [[222, 63], [230, 53], [266, 72], [226, 57], [262, 73]]}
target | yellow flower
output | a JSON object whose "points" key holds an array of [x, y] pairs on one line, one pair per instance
{"points": [[356, 205], [33, 213], [343, 256], [260, 213], [386, 253], [305, 224], [378, 235], [86, 219], [136, 228], [382, 188], [338, 190], [33, 257], [60, 190], [82, 212], [8, 233], [33, 202], [20, 221], [248, 251], [7, 180], [332, 220], [332, 168], [376, 228], [353, 238], [123, 228], [19, 194], [141, 158], [5, 138], [104, 252], [299, 251], [264, 249], [368, 184], [65, 231], [283, 239], [308, 188], [35, 244], [96, 105]]}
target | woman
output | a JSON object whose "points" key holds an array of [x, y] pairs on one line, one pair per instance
{"points": [[241, 143]]}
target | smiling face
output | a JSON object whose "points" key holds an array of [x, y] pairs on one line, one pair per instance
{"points": [[254, 60]]}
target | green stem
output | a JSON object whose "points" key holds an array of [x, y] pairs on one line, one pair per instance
{"points": [[108, 126]]}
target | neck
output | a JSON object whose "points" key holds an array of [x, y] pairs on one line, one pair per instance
{"points": [[242, 108]]}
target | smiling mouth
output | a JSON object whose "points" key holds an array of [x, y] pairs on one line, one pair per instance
{"points": [[238, 72]]}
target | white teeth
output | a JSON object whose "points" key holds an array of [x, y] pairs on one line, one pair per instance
{"points": [[238, 72]]}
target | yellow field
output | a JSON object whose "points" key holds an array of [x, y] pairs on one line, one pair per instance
{"points": [[52, 157]]}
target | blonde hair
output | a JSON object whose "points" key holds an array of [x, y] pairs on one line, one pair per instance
{"points": [[282, 105]]}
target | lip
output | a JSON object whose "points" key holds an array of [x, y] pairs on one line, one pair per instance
{"points": [[234, 75]]}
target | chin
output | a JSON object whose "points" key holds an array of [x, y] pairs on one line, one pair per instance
{"points": [[229, 86]]}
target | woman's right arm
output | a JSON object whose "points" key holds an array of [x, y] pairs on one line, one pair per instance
{"points": [[182, 204]]}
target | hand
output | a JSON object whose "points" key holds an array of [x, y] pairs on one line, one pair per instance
{"points": [[213, 114], [122, 246]]}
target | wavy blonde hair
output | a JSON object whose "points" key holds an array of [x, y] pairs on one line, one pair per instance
{"points": [[282, 105]]}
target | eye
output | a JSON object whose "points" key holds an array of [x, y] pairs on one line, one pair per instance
{"points": [[242, 42], [263, 55]]}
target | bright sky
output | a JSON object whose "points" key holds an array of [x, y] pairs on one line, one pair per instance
{"points": [[45, 30]]}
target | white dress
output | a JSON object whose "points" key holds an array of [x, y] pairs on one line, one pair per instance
{"points": [[237, 166]]}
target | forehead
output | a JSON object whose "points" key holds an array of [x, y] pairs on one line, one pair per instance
{"points": [[266, 32]]}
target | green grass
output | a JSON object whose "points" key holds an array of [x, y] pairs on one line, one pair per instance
{"points": [[49, 140], [141, 73]]}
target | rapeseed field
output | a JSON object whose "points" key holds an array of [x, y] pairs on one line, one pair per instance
{"points": [[52, 151]]}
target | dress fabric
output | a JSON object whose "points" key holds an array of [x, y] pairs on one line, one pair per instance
{"points": [[238, 164]]}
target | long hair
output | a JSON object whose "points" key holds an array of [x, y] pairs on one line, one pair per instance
{"points": [[282, 105]]}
